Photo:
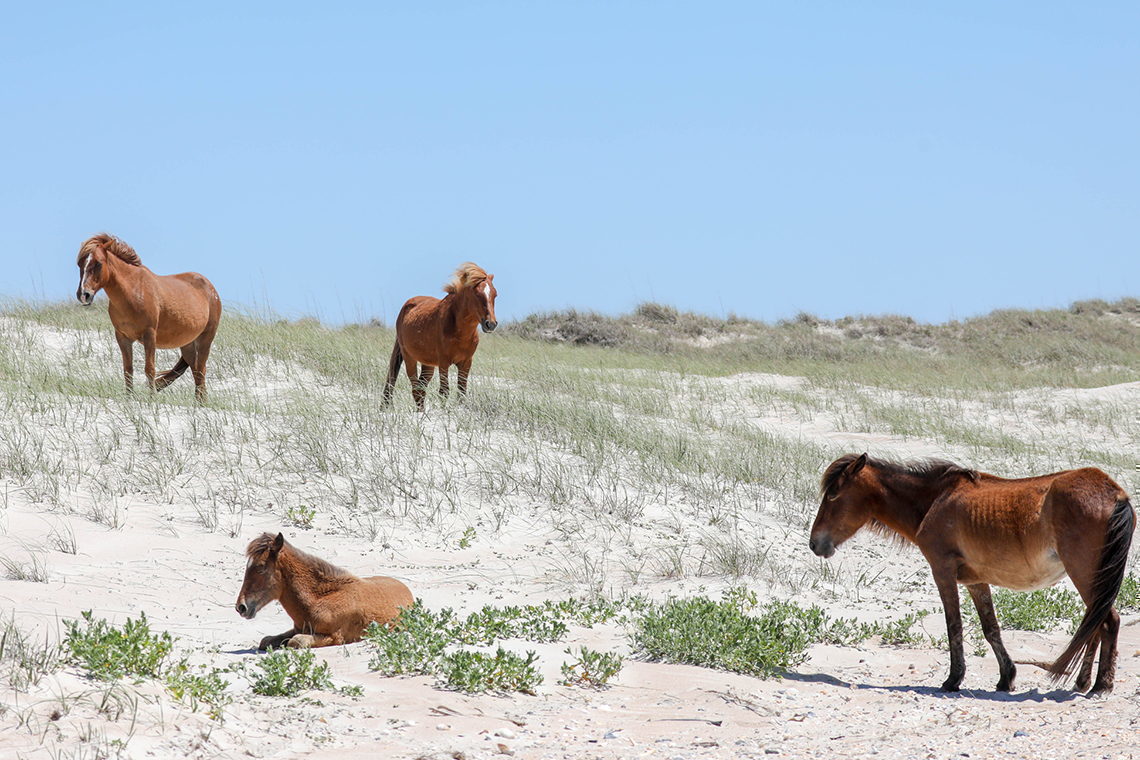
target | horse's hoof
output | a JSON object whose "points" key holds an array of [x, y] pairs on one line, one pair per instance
{"points": [[301, 641], [271, 642], [1100, 692], [951, 684], [1004, 686]]}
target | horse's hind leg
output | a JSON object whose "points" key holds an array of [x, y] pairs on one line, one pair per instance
{"points": [[1084, 677], [201, 354], [983, 601], [184, 362], [1106, 673]]}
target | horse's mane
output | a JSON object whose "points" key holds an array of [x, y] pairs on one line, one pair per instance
{"points": [[111, 245], [468, 275], [320, 568], [923, 469]]}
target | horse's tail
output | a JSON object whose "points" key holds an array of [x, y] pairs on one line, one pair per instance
{"points": [[395, 361], [1106, 585], [175, 372]]}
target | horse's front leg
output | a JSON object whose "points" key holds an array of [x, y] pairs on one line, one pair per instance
{"points": [[444, 388], [127, 349], [984, 602], [311, 640], [946, 578], [464, 369], [276, 642], [148, 341]]}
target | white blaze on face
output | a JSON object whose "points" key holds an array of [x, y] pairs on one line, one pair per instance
{"points": [[487, 292], [83, 277]]}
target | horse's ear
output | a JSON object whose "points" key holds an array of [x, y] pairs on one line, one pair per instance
{"points": [[490, 277], [278, 542], [857, 465]]}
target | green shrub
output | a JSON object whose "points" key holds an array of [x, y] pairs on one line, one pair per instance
{"points": [[1128, 600], [720, 635], [107, 652], [202, 688], [475, 672], [590, 668], [1042, 610], [415, 645], [288, 672]]}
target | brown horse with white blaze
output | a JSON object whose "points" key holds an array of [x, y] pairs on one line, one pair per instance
{"points": [[437, 333], [161, 311], [328, 605], [977, 529]]}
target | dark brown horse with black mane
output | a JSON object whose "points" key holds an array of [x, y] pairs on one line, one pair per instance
{"points": [[437, 333], [977, 529], [169, 311]]}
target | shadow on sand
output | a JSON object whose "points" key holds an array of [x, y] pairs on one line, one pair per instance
{"points": [[1033, 695]]}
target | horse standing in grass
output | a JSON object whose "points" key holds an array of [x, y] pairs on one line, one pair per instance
{"points": [[438, 333], [977, 529], [328, 605], [162, 311]]}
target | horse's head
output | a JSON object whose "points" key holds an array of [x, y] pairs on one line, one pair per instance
{"points": [[486, 293], [91, 260], [262, 582], [844, 507]]}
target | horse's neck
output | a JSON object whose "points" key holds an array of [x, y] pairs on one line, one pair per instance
{"points": [[904, 503], [296, 596], [463, 311], [121, 280]]}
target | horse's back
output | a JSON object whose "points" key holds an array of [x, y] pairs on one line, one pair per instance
{"points": [[385, 597]]}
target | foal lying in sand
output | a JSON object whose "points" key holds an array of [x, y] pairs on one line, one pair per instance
{"points": [[328, 605]]}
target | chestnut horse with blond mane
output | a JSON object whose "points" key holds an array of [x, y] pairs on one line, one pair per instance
{"points": [[162, 311], [437, 333], [977, 529], [328, 605]]}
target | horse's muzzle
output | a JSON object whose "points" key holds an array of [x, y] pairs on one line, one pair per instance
{"points": [[86, 297], [822, 546], [489, 325], [247, 611]]}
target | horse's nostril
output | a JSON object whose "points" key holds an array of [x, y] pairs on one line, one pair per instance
{"points": [[240, 608]]}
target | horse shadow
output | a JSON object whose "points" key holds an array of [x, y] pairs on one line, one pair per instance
{"points": [[1033, 695]]}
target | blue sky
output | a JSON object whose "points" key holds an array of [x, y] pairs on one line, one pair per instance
{"points": [[757, 158]]}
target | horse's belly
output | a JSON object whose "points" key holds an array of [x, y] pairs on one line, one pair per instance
{"points": [[1038, 572], [180, 327]]}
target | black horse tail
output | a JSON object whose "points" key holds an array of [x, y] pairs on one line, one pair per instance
{"points": [[1106, 585], [394, 363]]}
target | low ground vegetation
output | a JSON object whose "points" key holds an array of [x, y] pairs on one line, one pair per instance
{"points": [[625, 450]]}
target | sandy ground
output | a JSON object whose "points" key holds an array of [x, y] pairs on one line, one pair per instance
{"points": [[870, 701]]}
